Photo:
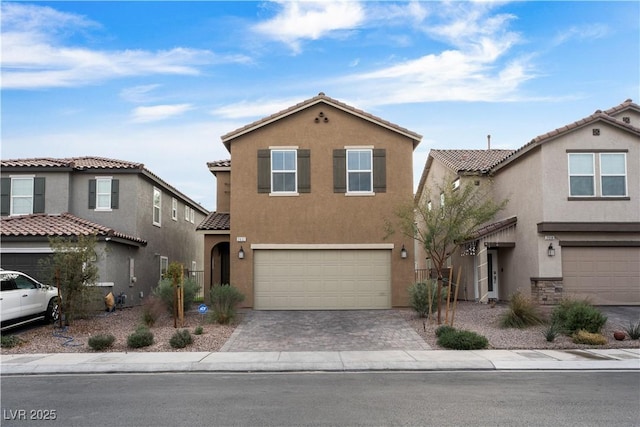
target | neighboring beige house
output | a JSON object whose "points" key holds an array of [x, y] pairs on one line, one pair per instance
{"points": [[572, 224], [301, 210]]}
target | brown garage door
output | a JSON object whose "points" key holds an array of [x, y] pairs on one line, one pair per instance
{"points": [[606, 276]]}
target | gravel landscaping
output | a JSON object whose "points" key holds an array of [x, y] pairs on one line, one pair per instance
{"points": [[479, 318]]}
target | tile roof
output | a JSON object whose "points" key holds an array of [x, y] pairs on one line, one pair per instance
{"points": [[470, 160], [493, 228], [215, 221], [65, 224], [321, 97], [595, 117], [79, 163], [93, 162], [219, 164]]}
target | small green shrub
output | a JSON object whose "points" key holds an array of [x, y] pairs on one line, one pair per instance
{"points": [[198, 330], [142, 337], [444, 329], [9, 341], [551, 332], [181, 339], [462, 340], [166, 293], [633, 330], [574, 315], [420, 294], [101, 341], [522, 313], [584, 337], [224, 300], [152, 309]]}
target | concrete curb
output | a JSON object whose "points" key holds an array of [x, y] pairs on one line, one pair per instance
{"points": [[329, 361]]}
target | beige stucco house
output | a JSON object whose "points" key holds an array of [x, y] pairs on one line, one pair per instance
{"points": [[572, 224], [302, 205]]}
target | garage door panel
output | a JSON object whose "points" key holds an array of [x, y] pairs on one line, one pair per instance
{"points": [[322, 279], [604, 275]]}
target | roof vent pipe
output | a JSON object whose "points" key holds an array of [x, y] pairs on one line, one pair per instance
{"points": [[488, 142]]}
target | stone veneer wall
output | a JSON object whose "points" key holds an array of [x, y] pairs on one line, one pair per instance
{"points": [[547, 291]]}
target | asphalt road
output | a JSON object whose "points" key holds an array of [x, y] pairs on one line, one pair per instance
{"points": [[347, 399]]}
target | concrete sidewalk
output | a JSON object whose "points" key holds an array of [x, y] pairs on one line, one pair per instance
{"points": [[330, 361]]}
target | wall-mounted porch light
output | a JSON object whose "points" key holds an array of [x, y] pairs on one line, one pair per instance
{"points": [[551, 251], [403, 252], [241, 253]]}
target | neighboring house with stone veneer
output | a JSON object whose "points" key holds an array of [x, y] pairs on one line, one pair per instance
{"points": [[142, 223], [301, 210], [572, 224]]}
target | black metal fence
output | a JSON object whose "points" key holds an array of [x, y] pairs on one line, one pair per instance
{"points": [[198, 277]]}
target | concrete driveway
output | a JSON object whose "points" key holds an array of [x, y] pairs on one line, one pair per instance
{"points": [[348, 330]]}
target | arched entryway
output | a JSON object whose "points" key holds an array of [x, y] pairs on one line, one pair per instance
{"points": [[219, 264]]}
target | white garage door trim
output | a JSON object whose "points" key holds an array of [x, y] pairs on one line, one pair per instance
{"points": [[323, 246], [322, 279], [604, 275]]}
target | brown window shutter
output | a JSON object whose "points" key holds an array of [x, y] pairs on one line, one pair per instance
{"points": [[304, 171], [38, 194], [379, 170], [340, 171], [264, 171]]}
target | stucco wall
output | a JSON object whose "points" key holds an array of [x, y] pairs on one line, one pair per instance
{"points": [[321, 216]]}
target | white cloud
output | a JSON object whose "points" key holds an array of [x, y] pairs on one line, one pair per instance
{"points": [[34, 54], [158, 112], [256, 109], [138, 94], [585, 32], [475, 68], [310, 20]]}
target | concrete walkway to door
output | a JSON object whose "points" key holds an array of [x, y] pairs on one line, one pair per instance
{"points": [[339, 330]]}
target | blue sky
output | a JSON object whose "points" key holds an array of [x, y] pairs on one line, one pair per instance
{"points": [[160, 82]]}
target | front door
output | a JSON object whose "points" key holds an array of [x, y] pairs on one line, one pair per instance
{"points": [[492, 276]]}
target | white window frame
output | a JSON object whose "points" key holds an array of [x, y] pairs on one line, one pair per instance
{"points": [[592, 175], [107, 195], [456, 184], [192, 215], [293, 171], [186, 212], [21, 196], [174, 209], [164, 265], [603, 175], [370, 170], [157, 207]]}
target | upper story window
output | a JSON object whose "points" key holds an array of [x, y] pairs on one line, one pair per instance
{"points": [[613, 174], [360, 171], [597, 174], [157, 203], [22, 195], [581, 174], [174, 209], [192, 215], [103, 193], [283, 171]]}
